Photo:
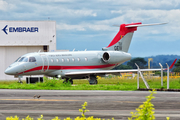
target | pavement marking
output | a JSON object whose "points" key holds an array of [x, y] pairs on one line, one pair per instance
{"points": [[144, 101], [38, 100], [128, 102]]}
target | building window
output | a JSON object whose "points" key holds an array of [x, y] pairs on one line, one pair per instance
{"points": [[45, 48]]}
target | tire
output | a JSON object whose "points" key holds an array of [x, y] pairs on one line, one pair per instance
{"points": [[93, 80], [68, 80]]}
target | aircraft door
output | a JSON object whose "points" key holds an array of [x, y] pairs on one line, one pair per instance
{"points": [[45, 62]]}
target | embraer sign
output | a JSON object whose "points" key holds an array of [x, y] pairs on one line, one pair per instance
{"points": [[20, 29]]}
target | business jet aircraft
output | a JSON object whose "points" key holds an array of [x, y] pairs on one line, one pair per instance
{"points": [[80, 64]]}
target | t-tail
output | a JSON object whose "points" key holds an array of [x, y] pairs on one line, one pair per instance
{"points": [[122, 40]]}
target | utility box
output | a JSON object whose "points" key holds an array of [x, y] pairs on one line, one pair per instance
{"points": [[33, 79]]}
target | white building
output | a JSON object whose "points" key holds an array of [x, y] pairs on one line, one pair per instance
{"points": [[20, 37]]}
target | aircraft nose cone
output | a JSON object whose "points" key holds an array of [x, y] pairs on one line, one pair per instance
{"points": [[9, 71]]}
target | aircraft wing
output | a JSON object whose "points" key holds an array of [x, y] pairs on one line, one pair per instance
{"points": [[107, 72], [99, 72]]}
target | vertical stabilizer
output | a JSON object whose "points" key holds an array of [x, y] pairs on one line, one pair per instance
{"points": [[123, 38]]}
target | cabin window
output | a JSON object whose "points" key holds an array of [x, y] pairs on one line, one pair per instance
{"points": [[86, 59], [73, 59], [32, 59], [57, 60], [62, 60], [68, 60], [23, 59], [78, 59], [52, 60]]}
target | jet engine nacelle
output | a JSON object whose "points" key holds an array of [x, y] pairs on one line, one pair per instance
{"points": [[105, 57], [113, 57]]}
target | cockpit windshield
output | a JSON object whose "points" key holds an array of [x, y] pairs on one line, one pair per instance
{"points": [[17, 59], [23, 59], [32, 59], [26, 59]]}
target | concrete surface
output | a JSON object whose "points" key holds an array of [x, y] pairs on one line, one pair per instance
{"points": [[103, 104]]}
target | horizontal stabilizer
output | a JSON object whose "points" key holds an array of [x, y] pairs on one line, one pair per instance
{"points": [[140, 25]]}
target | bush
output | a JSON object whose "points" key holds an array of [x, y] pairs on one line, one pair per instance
{"points": [[83, 117], [146, 110]]}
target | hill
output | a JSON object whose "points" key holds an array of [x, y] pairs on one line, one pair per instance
{"points": [[163, 59]]}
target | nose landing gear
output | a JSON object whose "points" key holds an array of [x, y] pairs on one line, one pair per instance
{"points": [[93, 80], [19, 79]]}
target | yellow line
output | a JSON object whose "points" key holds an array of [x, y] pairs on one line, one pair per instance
{"points": [[38, 100], [143, 102]]}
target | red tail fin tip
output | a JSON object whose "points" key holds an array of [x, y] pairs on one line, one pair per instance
{"points": [[123, 31]]}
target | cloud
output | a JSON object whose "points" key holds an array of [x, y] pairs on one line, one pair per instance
{"points": [[5, 6], [144, 3], [96, 17], [71, 12], [83, 27], [129, 16], [63, 26]]}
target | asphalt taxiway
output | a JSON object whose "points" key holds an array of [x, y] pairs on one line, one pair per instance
{"points": [[102, 104]]}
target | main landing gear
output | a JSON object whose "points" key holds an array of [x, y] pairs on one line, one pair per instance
{"points": [[93, 80], [68, 80]]}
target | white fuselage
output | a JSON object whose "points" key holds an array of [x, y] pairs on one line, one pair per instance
{"points": [[58, 63]]}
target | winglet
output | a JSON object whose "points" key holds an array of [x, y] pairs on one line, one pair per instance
{"points": [[172, 64]]}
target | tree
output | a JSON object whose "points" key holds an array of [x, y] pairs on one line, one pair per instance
{"points": [[122, 67], [159, 73], [140, 61], [177, 65]]}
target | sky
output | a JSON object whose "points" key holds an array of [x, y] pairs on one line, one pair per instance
{"points": [[88, 24]]}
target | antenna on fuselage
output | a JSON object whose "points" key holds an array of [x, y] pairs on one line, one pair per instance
{"points": [[74, 49], [39, 51], [85, 49]]}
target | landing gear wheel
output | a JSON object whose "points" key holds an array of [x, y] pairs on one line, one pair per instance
{"points": [[71, 81], [93, 80], [65, 81]]}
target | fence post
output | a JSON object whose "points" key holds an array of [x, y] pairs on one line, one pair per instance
{"points": [[167, 76], [137, 79], [145, 82], [161, 74]]}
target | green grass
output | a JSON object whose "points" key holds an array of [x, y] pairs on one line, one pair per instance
{"points": [[103, 84]]}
